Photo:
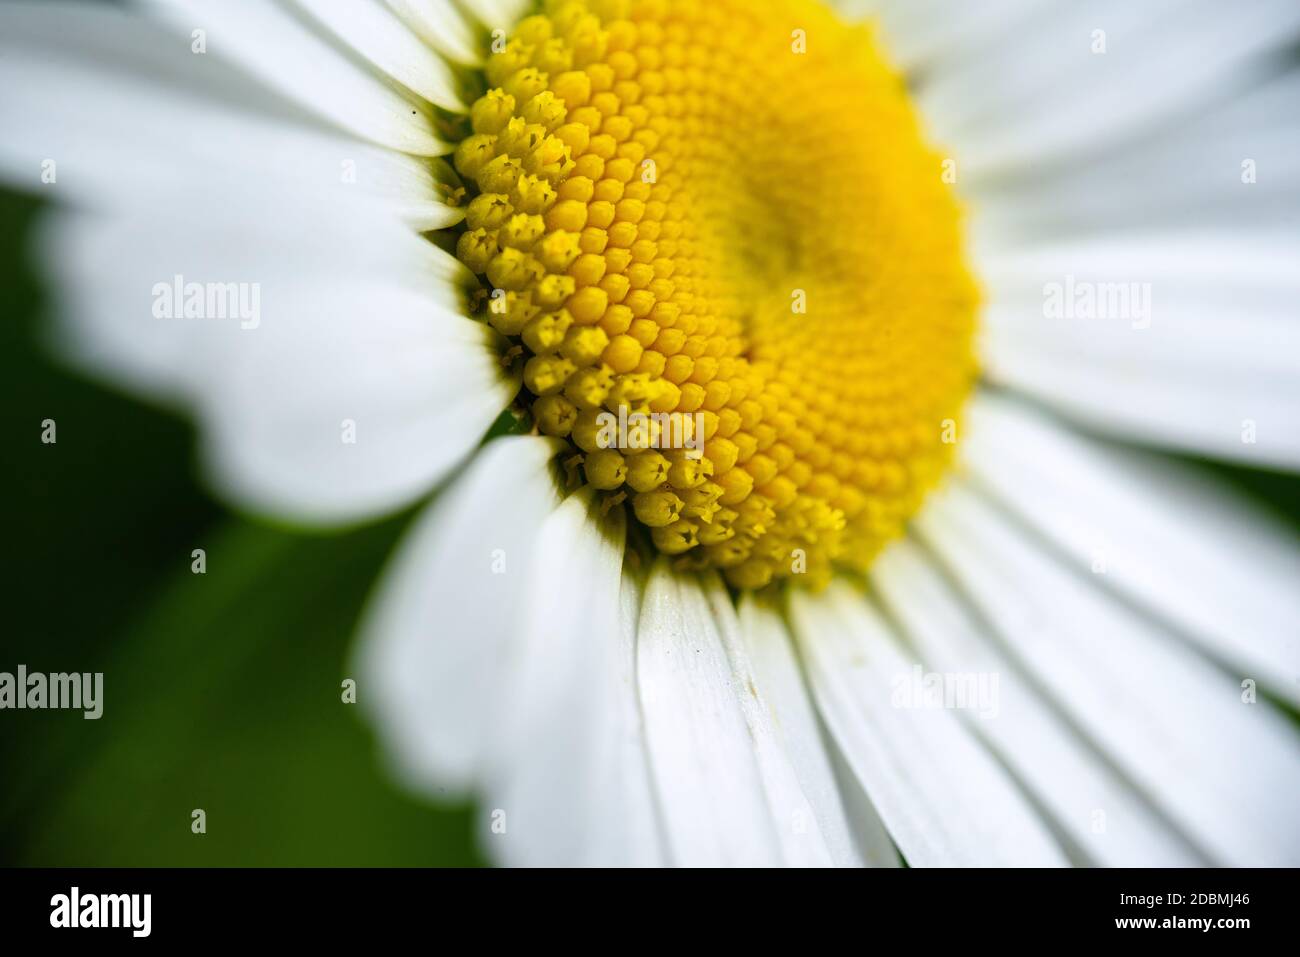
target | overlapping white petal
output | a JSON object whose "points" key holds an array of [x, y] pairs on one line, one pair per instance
{"points": [[728, 791], [797, 822], [1227, 167], [390, 46], [1177, 339], [271, 43], [1047, 93], [941, 795], [114, 151], [707, 779], [1216, 759], [1169, 539], [1100, 814], [99, 129], [921, 34], [569, 779], [781, 687], [499, 14], [440, 24]]}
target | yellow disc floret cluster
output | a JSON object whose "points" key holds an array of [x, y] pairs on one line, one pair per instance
{"points": [[720, 220]]}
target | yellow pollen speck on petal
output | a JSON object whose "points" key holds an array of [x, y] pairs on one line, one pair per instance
{"points": [[718, 224]]}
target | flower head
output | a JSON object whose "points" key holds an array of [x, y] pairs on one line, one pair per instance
{"points": [[670, 309]]}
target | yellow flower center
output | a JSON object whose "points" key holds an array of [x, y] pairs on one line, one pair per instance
{"points": [[734, 270]]}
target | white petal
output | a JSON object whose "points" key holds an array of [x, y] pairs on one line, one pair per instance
{"points": [[941, 795], [698, 724], [335, 415], [270, 43], [1187, 175], [313, 357], [1190, 337], [798, 827], [1171, 540], [84, 92], [105, 269], [924, 34], [499, 14], [1227, 771], [435, 633], [1045, 96], [569, 769], [857, 9], [440, 24], [641, 811], [781, 686], [1101, 814], [389, 44]]}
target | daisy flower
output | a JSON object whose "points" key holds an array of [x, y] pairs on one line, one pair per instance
{"points": [[776, 375]]}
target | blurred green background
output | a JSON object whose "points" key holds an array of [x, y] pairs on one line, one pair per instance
{"points": [[222, 690]]}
